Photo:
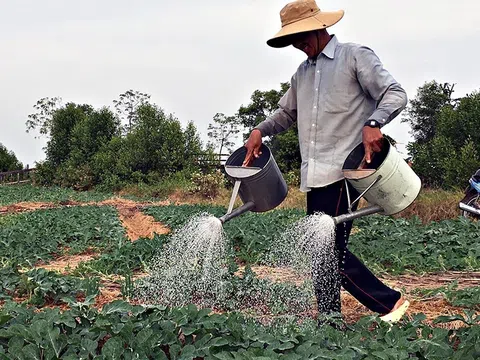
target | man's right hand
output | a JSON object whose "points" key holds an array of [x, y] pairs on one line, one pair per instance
{"points": [[253, 145]]}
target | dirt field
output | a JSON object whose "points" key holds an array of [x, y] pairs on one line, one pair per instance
{"points": [[139, 225]]}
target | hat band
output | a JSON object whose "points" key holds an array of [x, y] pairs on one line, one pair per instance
{"points": [[311, 14]]}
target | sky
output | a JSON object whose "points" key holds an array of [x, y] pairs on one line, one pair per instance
{"points": [[198, 58]]}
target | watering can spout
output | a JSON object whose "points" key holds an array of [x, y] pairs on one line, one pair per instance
{"points": [[357, 214], [237, 212]]}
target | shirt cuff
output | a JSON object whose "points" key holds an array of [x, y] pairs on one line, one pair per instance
{"points": [[262, 128], [382, 119]]}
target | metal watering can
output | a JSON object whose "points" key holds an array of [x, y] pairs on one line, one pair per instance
{"points": [[261, 186], [387, 183]]}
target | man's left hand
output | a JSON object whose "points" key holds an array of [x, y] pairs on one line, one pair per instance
{"points": [[373, 141]]}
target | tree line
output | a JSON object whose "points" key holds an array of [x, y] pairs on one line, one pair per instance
{"points": [[137, 141], [446, 147], [8, 160]]}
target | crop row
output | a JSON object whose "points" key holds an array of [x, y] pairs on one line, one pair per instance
{"points": [[385, 244], [28, 238], [124, 331]]}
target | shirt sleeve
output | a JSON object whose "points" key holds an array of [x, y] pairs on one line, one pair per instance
{"points": [[284, 116], [377, 83]]}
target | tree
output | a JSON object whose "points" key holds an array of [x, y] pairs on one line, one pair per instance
{"points": [[43, 115], [424, 109], [86, 146], [262, 104], [126, 107], [447, 151], [193, 144], [285, 147], [60, 131], [8, 160], [92, 133], [223, 131], [156, 143]]}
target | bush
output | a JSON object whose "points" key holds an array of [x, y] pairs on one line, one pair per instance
{"points": [[449, 152], [44, 174], [292, 178], [159, 188], [75, 177], [208, 185], [86, 147]]}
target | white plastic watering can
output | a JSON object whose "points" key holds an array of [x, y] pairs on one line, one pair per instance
{"points": [[388, 183]]}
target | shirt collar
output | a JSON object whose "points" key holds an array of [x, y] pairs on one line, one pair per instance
{"points": [[328, 50]]}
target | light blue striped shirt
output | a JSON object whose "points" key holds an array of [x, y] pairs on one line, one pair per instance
{"points": [[331, 98]]}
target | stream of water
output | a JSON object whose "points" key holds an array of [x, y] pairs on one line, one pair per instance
{"points": [[193, 266]]}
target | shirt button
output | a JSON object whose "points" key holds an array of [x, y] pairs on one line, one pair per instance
{"points": [[313, 124], [318, 71], [312, 142], [316, 89], [315, 106]]}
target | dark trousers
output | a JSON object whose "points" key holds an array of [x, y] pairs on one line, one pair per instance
{"points": [[354, 276]]}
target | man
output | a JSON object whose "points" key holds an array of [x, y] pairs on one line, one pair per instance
{"points": [[339, 97]]}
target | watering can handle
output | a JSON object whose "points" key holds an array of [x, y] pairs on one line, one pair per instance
{"points": [[351, 215], [236, 187], [350, 204]]}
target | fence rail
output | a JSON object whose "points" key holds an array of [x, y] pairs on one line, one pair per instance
{"points": [[23, 176], [16, 176], [211, 160]]}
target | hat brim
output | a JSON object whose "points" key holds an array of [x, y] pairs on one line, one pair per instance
{"points": [[322, 20]]}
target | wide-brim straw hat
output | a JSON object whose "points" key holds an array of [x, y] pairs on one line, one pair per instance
{"points": [[302, 16]]}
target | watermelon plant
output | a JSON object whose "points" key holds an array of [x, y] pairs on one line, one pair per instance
{"points": [[466, 297], [123, 330], [385, 244], [405, 245], [40, 286], [29, 237], [251, 235]]}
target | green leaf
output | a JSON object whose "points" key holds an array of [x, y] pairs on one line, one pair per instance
{"points": [[4, 318], [143, 337], [285, 346], [113, 348], [66, 319], [32, 352], [188, 352], [116, 306], [223, 356], [38, 330], [218, 342], [189, 330], [89, 345], [57, 342], [15, 345]]}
